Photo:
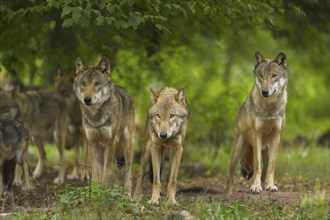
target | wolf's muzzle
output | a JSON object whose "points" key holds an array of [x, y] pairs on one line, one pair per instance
{"points": [[88, 100], [163, 135], [265, 93]]}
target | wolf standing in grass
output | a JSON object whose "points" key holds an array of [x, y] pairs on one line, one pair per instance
{"points": [[165, 132], [41, 112], [107, 117], [14, 140], [259, 123]]}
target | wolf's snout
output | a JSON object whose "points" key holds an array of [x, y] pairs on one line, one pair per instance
{"points": [[88, 100], [265, 92], [163, 135]]}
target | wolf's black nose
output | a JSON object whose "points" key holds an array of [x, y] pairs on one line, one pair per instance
{"points": [[88, 100], [265, 93], [163, 135]]}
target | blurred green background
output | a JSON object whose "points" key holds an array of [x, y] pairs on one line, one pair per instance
{"points": [[204, 46]]}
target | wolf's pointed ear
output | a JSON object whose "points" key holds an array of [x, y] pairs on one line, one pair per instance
{"points": [[104, 65], [281, 60], [259, 57], [80, 65], [180, 96], [153, 95]]}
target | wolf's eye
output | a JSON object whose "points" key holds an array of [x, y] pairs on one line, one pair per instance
{"points": [[83, 84], [274, 76], [172, 116], [157, 116], [97, 84]]}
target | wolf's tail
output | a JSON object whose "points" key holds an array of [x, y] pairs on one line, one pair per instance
{"points": [[247, 161]]}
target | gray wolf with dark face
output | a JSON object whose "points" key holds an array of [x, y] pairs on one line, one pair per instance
{"points": [[14, 142], [259, 123], [107, 117], [41, 112], [164, 135]]}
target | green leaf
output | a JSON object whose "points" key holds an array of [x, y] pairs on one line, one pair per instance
{"points": [[123, 24], [159, 27], [67, 22], [100, 20], [110, 20], [66, 10], [52, 24], [76, 14]]}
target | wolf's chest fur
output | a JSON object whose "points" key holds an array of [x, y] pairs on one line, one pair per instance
{"points": [[269, 108]]}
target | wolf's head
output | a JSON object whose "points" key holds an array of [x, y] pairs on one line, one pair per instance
{"points": [[93, 84], [8, 104], [271, 76], [64, 83], [168, 112]]}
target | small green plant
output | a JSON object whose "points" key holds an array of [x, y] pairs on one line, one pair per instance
{"points": [[93, 201]]}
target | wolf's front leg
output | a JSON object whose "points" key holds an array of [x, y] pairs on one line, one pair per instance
{"points": [[272, 151], [256, 179], [175, 159], [128, 154], [42, 157], [235, 155], [108, 159], [96, 161], [145, 157], [60, 143], [75, 171], [156, 158]]}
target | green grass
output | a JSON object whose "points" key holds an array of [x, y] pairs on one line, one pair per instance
{"points": [[305, 166], [301, 163]]}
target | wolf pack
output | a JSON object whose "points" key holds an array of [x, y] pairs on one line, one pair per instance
{"points": [[90, 113]]}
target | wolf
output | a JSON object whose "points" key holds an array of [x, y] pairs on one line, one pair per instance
{"points": [[108, 114], [165, 132], [259, 123], [75, 134], [41, 112], [14, 140]]}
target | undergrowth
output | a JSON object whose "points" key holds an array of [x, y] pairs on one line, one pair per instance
{"points": [[306, 166]]}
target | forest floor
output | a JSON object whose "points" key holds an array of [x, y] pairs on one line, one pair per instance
{"points": [[200, 195], [190, 189]]}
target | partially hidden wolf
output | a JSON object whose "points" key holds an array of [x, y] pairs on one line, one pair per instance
{"points": [[41, 112], [164, 135], [75, 137], [259, 123], [14, 142], [108, 119]]}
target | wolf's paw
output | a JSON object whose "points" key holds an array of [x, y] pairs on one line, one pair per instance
{"points": [[271, 188], [18, 182], [154, 201], [58, 180], [37, 174], [72, 176], [172, 201], [256, 189], [28, 187], [137, 197]]}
